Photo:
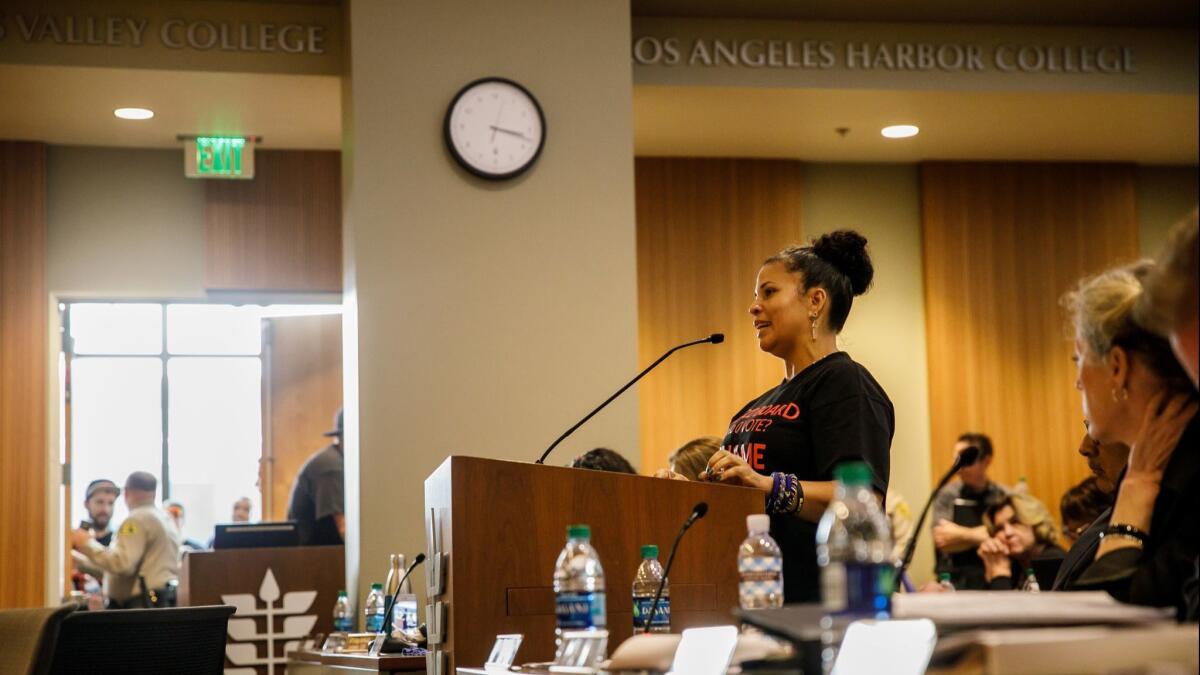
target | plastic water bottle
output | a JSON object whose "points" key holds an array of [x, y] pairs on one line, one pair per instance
{"points": [[373, 612], [578, 585], [760, 566], [645, 586], [1022, 486], [343, 614], [944, 582], [854, 545], [1031, 582]]}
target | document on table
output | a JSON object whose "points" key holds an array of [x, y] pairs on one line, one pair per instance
{"points": [[1011, 608]]}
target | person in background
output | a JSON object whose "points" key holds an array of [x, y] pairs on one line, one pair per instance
{"points": [[99, 499], [1169, 308], [1107, 462], [317, 501], [828, 410], [174, 510], [691, 459], [241, 510], [1020, 531], [900, 518], [958, 510], [141, 565], [1169, 305], [1081, 505], [603, 459], [1135, 392]]}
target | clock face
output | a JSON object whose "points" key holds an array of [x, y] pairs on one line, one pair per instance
{"points": [[495, 128]]}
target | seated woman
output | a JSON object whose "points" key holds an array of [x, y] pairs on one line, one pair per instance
{"points": [[1135, 392], [689, 461], [1022, 531], [1081, 506]]}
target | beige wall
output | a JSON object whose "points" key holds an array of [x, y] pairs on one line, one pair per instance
{"points": [[481, 318], [1165, 194], [886, 329], [124, 223]]}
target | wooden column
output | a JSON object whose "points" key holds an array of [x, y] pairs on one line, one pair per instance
{"points": [[1002, 243], [23, 359], [704, 226]]}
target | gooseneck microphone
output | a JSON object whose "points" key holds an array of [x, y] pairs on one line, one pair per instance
{"points": [[715, 338], [698, 512], [387, 612], [967, 457]]}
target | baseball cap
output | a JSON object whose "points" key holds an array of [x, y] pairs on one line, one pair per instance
{"points": [[102, 484], [337, 425]]}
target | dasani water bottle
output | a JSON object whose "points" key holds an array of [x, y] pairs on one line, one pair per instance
{"points": [[578, 585], [854, 545]]}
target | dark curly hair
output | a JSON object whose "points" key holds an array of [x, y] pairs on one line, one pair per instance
{"points": [[603, 459], [837, 262]]}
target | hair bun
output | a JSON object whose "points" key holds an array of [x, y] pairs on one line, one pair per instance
{"points": [[847, 251]]}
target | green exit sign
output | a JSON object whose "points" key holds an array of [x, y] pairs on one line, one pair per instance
{"points": [[219, 157]]}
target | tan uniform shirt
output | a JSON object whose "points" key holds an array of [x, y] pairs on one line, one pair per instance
{"points": [[146, 536]]}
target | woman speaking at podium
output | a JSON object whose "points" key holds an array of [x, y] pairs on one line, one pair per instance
{"points": [[827, 410]]}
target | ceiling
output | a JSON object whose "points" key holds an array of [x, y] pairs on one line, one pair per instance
{"points": [[67, 105], [798, 123]]}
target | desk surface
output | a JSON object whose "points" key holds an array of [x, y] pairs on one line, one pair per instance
{"points": [[388, 663]]}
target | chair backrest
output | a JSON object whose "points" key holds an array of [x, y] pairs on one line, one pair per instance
{"points": [[182, 640], [29, 638]]}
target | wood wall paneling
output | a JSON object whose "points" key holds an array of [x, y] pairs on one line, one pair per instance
{"points": [[1002, 242], [281, 231], [23, 358], [303, 390], [703, 228]]}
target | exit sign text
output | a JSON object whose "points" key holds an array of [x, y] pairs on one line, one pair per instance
{"points": [[219, 157]]}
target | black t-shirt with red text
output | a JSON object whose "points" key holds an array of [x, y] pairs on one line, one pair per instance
{"points": [[831, 412]]}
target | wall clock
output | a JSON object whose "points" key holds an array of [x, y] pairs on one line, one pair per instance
{"points": [[495, 128]]}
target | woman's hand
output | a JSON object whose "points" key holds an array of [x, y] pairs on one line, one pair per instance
{"points": [[994, 554], [1162, 424], [726, 467], [667, 473]]}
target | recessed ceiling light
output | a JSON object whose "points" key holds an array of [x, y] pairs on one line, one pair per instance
{"points": [[899, 131], [134, 113]]}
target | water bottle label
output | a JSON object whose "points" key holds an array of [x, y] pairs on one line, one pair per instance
{"points": [[374, 623], [342, 624], [662, 614], [761, 580], [857, 589], [578, 610]]}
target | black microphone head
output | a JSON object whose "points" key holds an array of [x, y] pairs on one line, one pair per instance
{"points": [[968, 456], [699, 510], [716, 338], [419, 559]]}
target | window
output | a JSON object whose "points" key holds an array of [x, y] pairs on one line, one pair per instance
{"points": [[174, 389]]}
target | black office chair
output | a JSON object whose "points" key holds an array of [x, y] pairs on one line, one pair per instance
{"points": [[181, 640]]}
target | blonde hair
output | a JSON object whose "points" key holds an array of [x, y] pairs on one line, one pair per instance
{"points": [[1101, 306], [1102, 310], [1028, 511], [692, 459]]}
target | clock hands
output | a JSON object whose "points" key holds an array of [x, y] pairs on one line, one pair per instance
{"points": [[510, 132]]}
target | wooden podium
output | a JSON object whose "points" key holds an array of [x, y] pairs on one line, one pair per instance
{"points": [[501, 525], [281, 595]]}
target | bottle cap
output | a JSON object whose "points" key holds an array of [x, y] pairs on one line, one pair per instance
{"points": [[944, 576], [1029, 572], [579, 532], [650, 551], [377, 587], [853, 473], [341, 594], [758, 522]]}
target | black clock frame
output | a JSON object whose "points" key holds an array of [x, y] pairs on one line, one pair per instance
{"points": [[467, 165]]}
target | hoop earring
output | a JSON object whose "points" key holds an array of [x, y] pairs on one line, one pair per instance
{"points": [[813, 317]]}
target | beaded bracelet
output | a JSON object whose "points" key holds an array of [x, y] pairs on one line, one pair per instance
{"points": [[786, 495], [1123, 530]]}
